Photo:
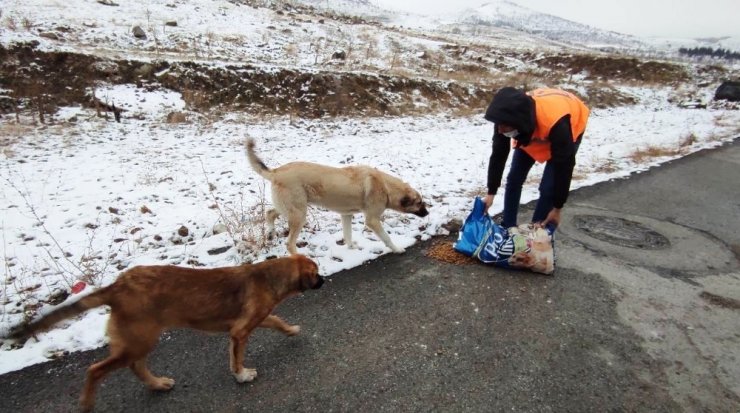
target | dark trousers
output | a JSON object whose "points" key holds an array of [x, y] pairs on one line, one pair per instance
{"points": [[521, 163]]}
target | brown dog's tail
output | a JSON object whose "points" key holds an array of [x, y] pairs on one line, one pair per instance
{"points": [[96, 299], [256, 162]]}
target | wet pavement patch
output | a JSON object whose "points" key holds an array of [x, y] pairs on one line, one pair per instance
{"points": [[668, 248], [620, 231]]}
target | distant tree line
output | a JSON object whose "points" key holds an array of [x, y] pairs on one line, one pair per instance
{"points": [[708, 51]]}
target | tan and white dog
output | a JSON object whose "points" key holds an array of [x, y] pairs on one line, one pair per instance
{"points": [[347, 190]]}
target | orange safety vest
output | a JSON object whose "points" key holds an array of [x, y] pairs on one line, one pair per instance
{"points": [[550, 106]]}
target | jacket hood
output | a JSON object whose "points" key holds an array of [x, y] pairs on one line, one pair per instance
{"points": [[514, 108]]}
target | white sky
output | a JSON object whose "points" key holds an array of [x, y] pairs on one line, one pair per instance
{"points": [[662, 18]]}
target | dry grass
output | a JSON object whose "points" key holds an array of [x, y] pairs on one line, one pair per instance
{"points": [[466, 111], [642, 155], [13, 132], [177, 117], [725, 121], [10, 134], [529, 79], [579, 176], [479, 191], [608, 166], [525, 80], [291, 50], [195, 99], [603, 95], [235, 39], [440, 66], [401, 71], [687, 141]]}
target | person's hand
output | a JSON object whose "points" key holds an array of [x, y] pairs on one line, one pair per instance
{"points": [[488, 201], [552, 218]]}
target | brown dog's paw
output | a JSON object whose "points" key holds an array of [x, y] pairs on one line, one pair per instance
{"points": [[246, 375], [293, 330], [162, 384], [86, 405]]}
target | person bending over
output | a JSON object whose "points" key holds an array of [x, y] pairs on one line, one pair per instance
{"points": [[543, 125]]}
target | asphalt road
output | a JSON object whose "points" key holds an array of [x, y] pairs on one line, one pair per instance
{"points": [[631, 321]]}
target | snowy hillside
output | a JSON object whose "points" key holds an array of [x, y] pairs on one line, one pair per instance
{"points": [[507, 14], [363, 8], [290, 35]]}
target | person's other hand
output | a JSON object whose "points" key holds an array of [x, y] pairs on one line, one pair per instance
{"points": [[488, 200], [552, 218]]}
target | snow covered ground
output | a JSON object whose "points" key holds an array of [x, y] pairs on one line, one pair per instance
{"points": [[92, 195]]}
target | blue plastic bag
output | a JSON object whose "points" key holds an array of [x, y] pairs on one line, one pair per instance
{"points": [[524, 247]]}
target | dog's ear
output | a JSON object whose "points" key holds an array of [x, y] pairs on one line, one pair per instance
{"points": [[406, 201], [307, 273], [305, 281]]}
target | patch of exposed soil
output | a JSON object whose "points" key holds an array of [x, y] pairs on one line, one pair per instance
{"points": [[610, 68], [52, 79]]}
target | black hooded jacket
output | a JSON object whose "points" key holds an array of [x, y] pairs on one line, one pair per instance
{"points": [[515, 108]]}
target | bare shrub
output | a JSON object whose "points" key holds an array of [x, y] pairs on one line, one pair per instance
{"points": [[27, 24], [370, 44], [350, 40], [244, 222], [11, 24], [23, 283]]}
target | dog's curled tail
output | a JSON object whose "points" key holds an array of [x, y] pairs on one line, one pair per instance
{"points": [[96, 299], [255, 162]]}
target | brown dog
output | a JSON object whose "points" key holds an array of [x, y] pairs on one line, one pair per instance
{"points": [[347, 190], [146, 300]]}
